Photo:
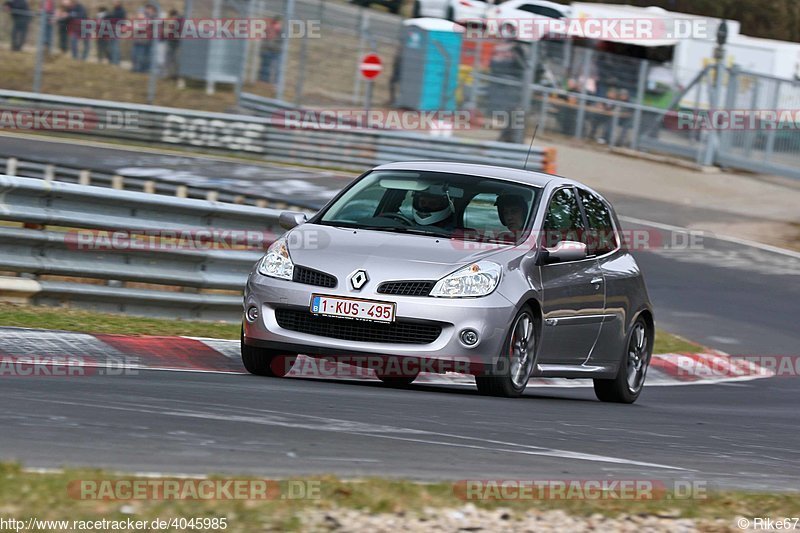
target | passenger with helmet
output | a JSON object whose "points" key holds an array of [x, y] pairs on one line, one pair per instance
{"points": [[434, 207]]}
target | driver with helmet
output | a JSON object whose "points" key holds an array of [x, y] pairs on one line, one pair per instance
{"points": [[434, 207]]}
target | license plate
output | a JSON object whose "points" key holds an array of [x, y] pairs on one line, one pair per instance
{"points": [[352, 308]]}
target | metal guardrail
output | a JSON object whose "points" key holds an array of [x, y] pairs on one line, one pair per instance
{"points": [[268, 138], [91, 234], [86, 175]]}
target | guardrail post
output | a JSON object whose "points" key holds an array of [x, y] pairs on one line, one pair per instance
{"points": [[181, 191], [84, 177], [11, 166], [117, 182], [212, 196], [49, 173], [149, 187]]}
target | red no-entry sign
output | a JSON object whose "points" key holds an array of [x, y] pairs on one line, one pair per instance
{"points": [[370, 66]]}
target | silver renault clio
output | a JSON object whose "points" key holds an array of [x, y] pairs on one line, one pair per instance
{"points": [[502, 273]]}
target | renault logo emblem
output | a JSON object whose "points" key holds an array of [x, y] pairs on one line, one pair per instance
{"points": [[358, 279]]}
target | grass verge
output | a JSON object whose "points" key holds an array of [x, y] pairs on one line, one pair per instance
{"points": [[67, 319], [46, 496]]}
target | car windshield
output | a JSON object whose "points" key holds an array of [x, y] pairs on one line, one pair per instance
{"points": [[437, 204]]}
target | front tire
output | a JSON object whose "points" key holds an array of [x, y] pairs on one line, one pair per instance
{"points": [[629, 381], [509, 376], [264, 362]]}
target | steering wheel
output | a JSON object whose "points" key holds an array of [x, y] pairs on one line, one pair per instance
{"points": [[397, 216]]}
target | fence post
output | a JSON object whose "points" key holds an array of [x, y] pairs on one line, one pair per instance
{"points": [[301, 70], [724, 137], [587, 63], [641, 86], [40, 44], [49, 173], [526, 90], [287, 19], [751, 135], [771, 135], [712, 140], [363, 28], [84, 177]]}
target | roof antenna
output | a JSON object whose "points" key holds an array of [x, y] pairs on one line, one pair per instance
{"points": [[524, 167]]}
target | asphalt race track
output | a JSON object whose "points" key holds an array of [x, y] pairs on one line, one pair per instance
{"points": [[729, 296]]}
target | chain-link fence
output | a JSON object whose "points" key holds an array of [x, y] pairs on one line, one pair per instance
{"points": [[324, 44]]}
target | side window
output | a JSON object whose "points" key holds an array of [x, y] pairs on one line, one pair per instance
{"points": [[563, 221], [542, 11], [481, 214], [600, 236]]}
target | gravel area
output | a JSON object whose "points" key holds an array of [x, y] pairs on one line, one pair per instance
{"points": [[470, 518]]}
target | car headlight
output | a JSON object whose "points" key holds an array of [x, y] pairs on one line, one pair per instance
{"points": [[277, 263], [477, 279]]}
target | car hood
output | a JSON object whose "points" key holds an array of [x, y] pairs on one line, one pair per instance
{"points": [[385, 255]]}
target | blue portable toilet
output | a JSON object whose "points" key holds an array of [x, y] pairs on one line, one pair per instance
{"points": [[429, 64]]}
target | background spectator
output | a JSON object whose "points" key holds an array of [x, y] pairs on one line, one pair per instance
{"points": [[20, 18], [50, 10], [142, 48], [102, 40], [62, 21], [117, 14], [173, 46], [271, 51], [75, 15]]}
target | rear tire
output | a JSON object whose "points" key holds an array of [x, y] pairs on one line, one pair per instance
{"points": [[264, 362], [509, 376], [629, 381]]}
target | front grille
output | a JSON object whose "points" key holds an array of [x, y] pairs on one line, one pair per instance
{"points": [[357, 330], [406, 288], [310, 276]]}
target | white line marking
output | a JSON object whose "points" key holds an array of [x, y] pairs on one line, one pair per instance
{"points": [[352, 427], [727, 238]]}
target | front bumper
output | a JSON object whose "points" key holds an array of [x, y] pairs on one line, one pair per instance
{"points": [[490, 316]]}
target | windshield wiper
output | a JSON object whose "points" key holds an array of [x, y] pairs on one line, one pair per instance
{"points": [[403, 229]]}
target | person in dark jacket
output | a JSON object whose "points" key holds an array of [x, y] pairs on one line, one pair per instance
{"points": [[20, 18], [173, 45], [117, 14], [75, 15]]}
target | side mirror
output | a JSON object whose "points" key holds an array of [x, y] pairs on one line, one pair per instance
{"points": [[564, 251], [291, 219]]}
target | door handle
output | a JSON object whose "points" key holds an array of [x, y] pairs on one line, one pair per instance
{"points": [[595, 281]]}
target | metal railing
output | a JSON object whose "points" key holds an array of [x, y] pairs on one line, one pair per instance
{"points": [[89, 175], [269, 138], [128, 251]]}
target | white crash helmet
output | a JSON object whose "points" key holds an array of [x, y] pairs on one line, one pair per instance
{"points": [[441, 205]]}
